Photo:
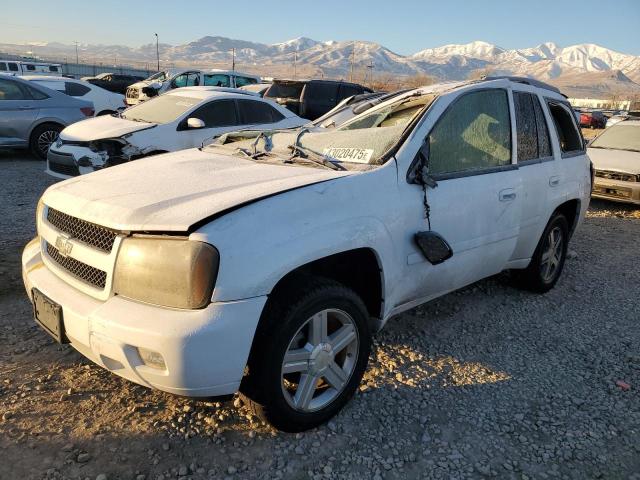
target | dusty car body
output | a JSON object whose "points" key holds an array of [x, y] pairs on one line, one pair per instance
{"points": [[615, 154], [179, 119], [264, 264]]}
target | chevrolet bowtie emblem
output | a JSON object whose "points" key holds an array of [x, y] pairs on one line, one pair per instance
{"points": [[63, 245]]}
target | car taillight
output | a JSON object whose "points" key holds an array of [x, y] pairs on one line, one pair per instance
{"points": [[88, 111]]}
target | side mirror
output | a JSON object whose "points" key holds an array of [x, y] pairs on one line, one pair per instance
{"points": [[195, 123]]}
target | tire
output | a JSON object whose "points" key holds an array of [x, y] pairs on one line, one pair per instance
{"points": [[323, 370], [42, 137], [547, 263]]}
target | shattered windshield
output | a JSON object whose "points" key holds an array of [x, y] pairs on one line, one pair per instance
{"points": [[358, 144], [619, 137]]}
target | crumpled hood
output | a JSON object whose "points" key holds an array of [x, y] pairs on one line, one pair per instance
{"points": [[104, 126], [173, 191], [615, 160]]}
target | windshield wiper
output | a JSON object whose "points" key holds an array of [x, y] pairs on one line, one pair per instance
{"points": [[298, 150]]}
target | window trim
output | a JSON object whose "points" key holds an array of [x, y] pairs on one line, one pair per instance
{"points": [[570, 153], [479, 171]]}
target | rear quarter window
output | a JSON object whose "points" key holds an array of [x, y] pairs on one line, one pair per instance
{"points": [[569, 136], [76, 89]]}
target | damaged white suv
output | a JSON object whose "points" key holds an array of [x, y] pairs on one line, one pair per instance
{"points": [[264, 265]]}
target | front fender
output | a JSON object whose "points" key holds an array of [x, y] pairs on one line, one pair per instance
{"points": [[260, 243]]}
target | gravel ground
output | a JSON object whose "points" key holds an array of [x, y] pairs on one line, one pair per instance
{"points": [[487, 382]]}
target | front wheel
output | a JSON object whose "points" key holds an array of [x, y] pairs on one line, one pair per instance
{"points": [[309, 355], [548, 260]]}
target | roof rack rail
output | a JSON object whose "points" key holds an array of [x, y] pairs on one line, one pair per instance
{"points": [[527, 81]]}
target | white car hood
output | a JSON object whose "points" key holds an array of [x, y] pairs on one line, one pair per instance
{"points": [[171, 192], [104, 126], [615, 160]]}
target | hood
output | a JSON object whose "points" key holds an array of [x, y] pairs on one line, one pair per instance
{"points": [[172, 192], [104, 126], [615, 160], [141, 84]]}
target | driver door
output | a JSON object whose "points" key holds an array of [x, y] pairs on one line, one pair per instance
{"points": [[219, 116], [476, 206]]}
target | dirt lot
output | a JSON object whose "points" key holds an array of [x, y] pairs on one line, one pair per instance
{"points": [[486, 382]]}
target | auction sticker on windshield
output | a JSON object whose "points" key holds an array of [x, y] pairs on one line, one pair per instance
{"points": [[355, 155]]}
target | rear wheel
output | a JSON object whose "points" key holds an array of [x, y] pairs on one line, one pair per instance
{"points": [[42, 137], [308, 356], [548, 260]]}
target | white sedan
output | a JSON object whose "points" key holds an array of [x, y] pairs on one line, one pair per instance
{"points": [[104, 101], [615, 154], [183, 118]]}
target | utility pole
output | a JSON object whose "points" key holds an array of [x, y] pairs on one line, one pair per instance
{"points": [[353, 55], [295, 61], [233, 59], [370, 67], [157, 51], [76, 42]]}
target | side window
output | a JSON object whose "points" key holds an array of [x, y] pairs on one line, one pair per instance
{"points": [[35, 93], [257, 112], [3, 67], [217, 80], [76, 89], [473, 134], [31, 68], [242, 81], [219, 113], [568, 135], [13, 67], [544, 142], [53, 68], [191, 79], [348, 91], [323, 92], [12, 91]]}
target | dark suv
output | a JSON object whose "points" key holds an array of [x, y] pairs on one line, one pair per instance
{"points": [[114, 82], [312, 98]]}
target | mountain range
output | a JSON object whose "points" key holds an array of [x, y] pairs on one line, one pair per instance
{"points": [[586, 69]]}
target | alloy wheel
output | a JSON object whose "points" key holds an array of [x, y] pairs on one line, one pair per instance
{"points": [[320, 360], [45, 140], [551, 255]]}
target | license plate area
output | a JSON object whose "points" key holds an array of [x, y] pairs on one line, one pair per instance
{"points": [[48, 314]]}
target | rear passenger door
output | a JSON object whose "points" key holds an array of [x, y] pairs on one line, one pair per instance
{"points": [[537, 167]]}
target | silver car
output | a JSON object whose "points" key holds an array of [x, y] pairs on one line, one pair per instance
{"points": [[32, 116]]}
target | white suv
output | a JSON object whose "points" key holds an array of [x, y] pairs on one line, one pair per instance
{"points": [[175, 78], [264, 265]]}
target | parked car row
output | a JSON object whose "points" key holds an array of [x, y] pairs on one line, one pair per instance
{"points": [[263, 262]]}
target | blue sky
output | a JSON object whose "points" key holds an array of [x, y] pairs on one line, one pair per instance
{"points": [[403, 26]]}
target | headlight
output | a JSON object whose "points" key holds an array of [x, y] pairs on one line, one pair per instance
{"points": [[39, 212], [176, 273]]}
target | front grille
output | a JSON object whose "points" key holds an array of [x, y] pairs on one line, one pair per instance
{"points": [[132, 93], [89, 233], [624, 177], [71, 170], [87, 273]]}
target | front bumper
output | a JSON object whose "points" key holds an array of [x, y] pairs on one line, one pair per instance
{"points": [[616, 190], [205, 351], [64, 161]]}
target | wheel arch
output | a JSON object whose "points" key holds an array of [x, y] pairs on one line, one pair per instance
{"points": [[571, 210]]}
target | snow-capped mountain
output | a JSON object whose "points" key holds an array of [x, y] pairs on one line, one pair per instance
{"points": [[547, 61]]}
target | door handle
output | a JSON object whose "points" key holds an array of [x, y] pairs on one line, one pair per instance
{"points": [[554, 181], [507, 195]]}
